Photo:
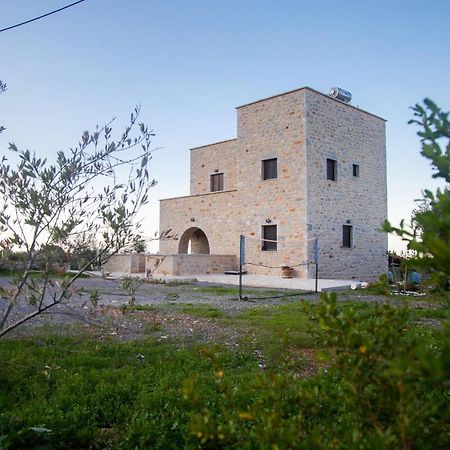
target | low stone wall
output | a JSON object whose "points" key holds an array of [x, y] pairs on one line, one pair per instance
{"points": [[159, 264], [129, 263], [194, 264], [170, 264]]}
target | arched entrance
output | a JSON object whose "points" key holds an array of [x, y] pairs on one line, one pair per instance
{"points": [[193, 241]]}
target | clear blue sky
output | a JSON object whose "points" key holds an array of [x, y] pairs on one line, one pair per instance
{"points": [[190, 63]]}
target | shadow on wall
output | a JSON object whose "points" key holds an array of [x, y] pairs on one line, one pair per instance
{"points": [[193, 241]]}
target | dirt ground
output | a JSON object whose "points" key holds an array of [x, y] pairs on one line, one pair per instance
{"points": [[117, 311], [157, 310]]}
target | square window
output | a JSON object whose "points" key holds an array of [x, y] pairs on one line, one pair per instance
{"points": [[217, 182], [347, 236], [331, 169], [269, 238], [269, 169], [356, 170]]}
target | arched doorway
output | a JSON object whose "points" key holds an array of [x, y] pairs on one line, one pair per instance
{"points": [[193, 241]]}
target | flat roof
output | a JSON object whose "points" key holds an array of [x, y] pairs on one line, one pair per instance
{"points": [[312, 90], [214, 143], [198, 195]]}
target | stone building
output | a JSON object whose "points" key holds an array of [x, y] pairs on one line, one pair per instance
{"points": [[304, 165]]}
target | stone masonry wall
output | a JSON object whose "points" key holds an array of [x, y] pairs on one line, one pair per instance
{"points": [[214, 213], [128, 263], [273, 128], [350, 136], [301, 129], [209, 160], [195, 264]]}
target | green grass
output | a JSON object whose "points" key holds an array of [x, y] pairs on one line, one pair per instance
{"points": [[147, 308], [200, 310], [234, 291], [87, 392], [217, 290], [431, 313], [78, 392], [38, 274]]}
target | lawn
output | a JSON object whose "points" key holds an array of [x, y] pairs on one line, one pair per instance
{"points": [[345, 374]]}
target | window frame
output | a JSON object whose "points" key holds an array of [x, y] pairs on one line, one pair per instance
{"points": [[265, 172], [334, 169], [269, 246], [220, 183], [355, 170], [347, 236]]}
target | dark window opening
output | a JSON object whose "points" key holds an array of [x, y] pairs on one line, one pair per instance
{"points": [[331, 169], [269, 169], [217, 182], [347, 236], [355, 170], [269, 238]]}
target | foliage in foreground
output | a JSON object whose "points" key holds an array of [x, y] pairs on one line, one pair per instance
{"points": [[52, 208], [387, 386], [429, 233]]}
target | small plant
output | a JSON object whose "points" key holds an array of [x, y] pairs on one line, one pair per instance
{"points": [[130, 285], [153, 327], [380, 287], [172, 296]]}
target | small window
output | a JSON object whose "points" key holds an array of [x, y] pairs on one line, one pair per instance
{"points": [[269, 238], [347, 236], [331, 169], [269, 169], [217, 182], [356, 170]]}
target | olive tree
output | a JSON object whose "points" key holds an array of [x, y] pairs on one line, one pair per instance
{"points": [[2, 89], [95, 188]]}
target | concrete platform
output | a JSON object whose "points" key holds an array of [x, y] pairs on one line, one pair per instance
{"points": [[262, 281]]}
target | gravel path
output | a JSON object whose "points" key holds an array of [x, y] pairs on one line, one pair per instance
{"points": [[161, 313], [157, 310]]}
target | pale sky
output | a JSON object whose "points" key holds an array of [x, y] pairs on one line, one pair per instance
{"points": [[190, 63]]}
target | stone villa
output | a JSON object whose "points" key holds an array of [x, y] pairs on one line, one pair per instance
{"points": [[303, 165]]}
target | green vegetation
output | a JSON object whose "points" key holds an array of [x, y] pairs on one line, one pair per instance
{"points": [[200, 310], [77, 209], [234, 291], [336, 374], [39, 275], [428, 235], [218, 290]]}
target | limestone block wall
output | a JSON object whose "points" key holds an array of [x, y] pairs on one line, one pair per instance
{"points": [[157, 263], [301, 129], [274, 128], [196, 264], [127, 263], [209, 160], [214, 213], [349, 136]]}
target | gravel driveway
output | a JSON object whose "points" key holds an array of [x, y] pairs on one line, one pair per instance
{"points": [[156, 310]]}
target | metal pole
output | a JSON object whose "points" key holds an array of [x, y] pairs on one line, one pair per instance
{"points": [[316, 262], [241, 251], [317, 278]]}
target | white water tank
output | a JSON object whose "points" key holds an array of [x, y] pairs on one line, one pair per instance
{"points": [[340, 94]]}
